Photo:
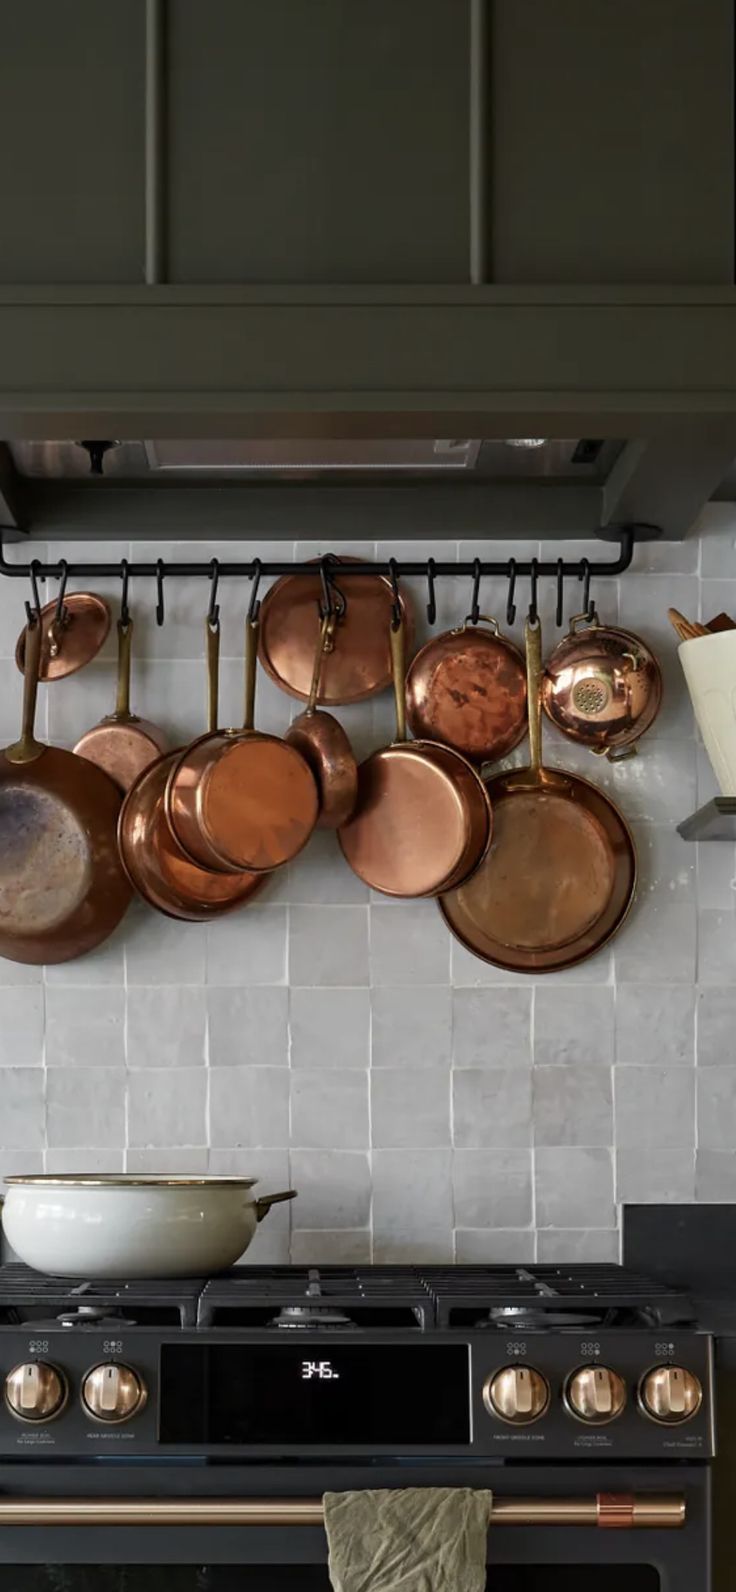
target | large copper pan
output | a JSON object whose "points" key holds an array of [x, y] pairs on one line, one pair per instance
{"points": [[357, 664], [560, 876], [241, 799], [62, 889], [602, 687], [324, 745], [422, 820], [467, 688], [122, 743], [161, 873]]}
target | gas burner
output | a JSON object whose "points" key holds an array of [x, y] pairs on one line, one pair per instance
{"points": [[302, 1317], [93, 1316], [523, 1318]]}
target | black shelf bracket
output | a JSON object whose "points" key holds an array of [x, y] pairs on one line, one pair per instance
{"points": [[715, 821]]}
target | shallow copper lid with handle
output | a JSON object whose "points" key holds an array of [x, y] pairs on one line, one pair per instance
{"points": [[357, 662]]}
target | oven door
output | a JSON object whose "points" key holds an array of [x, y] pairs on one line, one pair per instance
{"points": [[193, 1528]]}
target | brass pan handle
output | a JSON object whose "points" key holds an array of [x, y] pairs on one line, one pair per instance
{"points": [[621, 1511], [27, 749]]}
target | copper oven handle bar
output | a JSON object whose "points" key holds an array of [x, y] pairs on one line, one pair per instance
{"points": [[620, 1510]]}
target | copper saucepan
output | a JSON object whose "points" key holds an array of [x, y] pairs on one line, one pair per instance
{"points": [[122, 743], [241, 799], [62, 889], [560, 875], [162, 874], [467, 689], [602, 687], [324, 745], [423, 819]]}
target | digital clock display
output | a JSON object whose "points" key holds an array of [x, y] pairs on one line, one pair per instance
{"points": [[253, 1394]]}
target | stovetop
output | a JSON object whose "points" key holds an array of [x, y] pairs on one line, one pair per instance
{"points": [[415, 1298]]}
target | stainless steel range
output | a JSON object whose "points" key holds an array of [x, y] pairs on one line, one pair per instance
{"points": [[198, 1424]]}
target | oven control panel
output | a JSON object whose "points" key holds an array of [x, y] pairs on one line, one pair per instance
{"points": [[624, 1395]]}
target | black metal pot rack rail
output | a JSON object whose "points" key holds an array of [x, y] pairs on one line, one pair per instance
{"points": [[511, 569]]}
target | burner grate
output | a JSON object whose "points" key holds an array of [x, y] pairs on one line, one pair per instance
{"points": [[371, 1296], [27, 1295], [548, 1288]]}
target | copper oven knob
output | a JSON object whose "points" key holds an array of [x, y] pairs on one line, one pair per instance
{"points": [[517, 1394], [670, 1394], [113, 1393], [35, 1392], [595, 1394]]}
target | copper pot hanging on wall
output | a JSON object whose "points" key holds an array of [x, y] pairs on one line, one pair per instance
{"points": [[602, 687]]}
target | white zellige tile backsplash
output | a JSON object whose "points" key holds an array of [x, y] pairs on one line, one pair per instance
{"points": [[425, 1105]]}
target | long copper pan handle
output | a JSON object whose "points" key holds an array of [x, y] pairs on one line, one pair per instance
{"points": [[398, 674], [623, 1511], [533, 643], [252, 629], [212, 650], [28, 748]]}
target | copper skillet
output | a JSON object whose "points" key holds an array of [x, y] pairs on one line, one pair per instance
{"points": [[122, 743], [324, 745], [423, 819], [467, 688], [156, 866], [238, 799], [62, 889], [560, 876], [602, 687]]}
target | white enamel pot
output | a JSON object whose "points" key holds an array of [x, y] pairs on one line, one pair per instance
{"points": [[131, 1227]]}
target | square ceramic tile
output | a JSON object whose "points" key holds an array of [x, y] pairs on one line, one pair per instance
{"points": [[492, 1027], [409, 944], [655, 1024], [492, 1190], [569, 1182], [328, 945], [167, 1108], [22, 1023], [249, 1107], [85, 1027], [408, 1032], [85, 1106], [410, 1107], [330, 1027], [329, 1107], [248, 1026], [655, 1107], [573, 1026], [572, 1105], [492, 1107]]}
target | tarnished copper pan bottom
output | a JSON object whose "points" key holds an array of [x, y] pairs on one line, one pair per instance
{"points": [[418, 821], [467, 689], [558, 879], [321, 740], [157, 868]]}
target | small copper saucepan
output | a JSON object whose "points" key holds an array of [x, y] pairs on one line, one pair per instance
{"points": [[467, 689], [602, 687], [324, 745], [122, 743], [423, 819]]}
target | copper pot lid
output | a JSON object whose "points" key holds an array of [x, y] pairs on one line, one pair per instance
{"points": [[71, 642], [602, 686], [358, 665], [467, 688]]}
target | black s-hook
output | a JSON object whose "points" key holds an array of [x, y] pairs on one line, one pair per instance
{"points": [[588, 605], [510, 604], [560, 606], [213, 611], [160, 577], [431, 600], [125, 579], [254, 606], [475, 599], [396, 610], [60, 612], [33, 608]]}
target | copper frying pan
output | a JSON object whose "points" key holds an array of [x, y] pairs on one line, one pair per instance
{"points": [[602, 687], [467, 688], [423, 820], [122, 743], [62, 889], [324, 745], [357, 664], [241, 799], [560, 876], [156, 866]]}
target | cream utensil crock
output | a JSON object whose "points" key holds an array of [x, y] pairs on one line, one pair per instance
{"points": [[709, 666], [132, 1227]]}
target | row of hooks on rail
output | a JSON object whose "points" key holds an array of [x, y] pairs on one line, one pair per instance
{"points": [[333, 601], [333, 598]]}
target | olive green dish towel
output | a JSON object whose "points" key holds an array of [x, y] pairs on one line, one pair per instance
{"points": [[412, 1539]]}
